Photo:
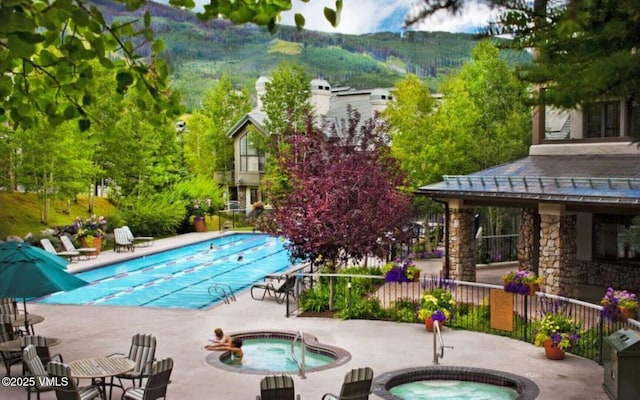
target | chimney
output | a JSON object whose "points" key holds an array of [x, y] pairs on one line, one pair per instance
{"points": [[261, 88], [320, 96], [379, 99]]}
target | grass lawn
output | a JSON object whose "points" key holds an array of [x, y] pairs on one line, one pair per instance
{"points": [[20, 213]]}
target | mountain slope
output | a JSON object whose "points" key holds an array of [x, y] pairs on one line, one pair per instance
{"points": [[200, 52]]}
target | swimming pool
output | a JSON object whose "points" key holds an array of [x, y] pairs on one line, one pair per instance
{"points": [[181, 278]]}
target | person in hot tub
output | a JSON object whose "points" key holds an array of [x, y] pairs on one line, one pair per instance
{"points": [[236, 350], [219, 340]]}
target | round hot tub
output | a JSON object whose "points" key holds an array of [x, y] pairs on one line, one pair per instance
{"points": [[278, 352], [442, 382]]}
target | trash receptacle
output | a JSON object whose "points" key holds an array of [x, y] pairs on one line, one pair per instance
{"points": [[621, 358]]}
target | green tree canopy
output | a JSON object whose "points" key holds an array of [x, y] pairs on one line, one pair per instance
{"points": [[46, 48], [481, 121], [207, 147], [584, 49]]}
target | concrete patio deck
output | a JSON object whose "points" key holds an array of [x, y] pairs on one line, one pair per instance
{"points": [[91, 331]]}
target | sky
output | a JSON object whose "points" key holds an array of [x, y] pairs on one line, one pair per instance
{"points": [[367, 16]]}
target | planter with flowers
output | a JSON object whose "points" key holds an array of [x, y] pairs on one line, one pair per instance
{"points": [[558, 333], [90, 232], [198, 209], [401, 271], [619, 305], [436, 305], [522, 282]]}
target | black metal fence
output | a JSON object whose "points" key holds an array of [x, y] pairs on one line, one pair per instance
{"points": [[400, 302], [497, 248]]}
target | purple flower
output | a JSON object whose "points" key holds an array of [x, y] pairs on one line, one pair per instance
{"points": [[438, 316]]}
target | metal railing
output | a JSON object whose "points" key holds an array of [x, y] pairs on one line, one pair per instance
{"points": [[301, 362], [223, 292], [497, 248], [400, 301], [437, 336]]}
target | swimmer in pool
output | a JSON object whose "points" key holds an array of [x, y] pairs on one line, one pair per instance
{"points": [[219, 340]]}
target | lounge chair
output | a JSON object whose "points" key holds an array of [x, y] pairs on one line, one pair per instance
{"points": [[277, 287], [122, 241], [66, 389], [34, 367], [69, 255], [142, 352], [84, 251], [277, 387], [156, 386], [356, 385], [142, 241]]}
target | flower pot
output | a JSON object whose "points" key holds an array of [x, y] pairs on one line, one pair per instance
{"points": [[95, 243], [553, 352], [627, 313], [533, 288], [416, 277], [200, 225], [428, 323]]}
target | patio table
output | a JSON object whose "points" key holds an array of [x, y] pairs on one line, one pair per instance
{"points": [[16, 345], [31, 319], [98, 369]]}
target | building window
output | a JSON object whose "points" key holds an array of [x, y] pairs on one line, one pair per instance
{"points": [[616, 237], [602, 119], [253, 195], [251, 159]]}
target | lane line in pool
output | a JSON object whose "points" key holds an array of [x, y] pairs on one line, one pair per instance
{"points": [[208, 279], [195, 294], [173, 275], [168, 263], [155, 267]]}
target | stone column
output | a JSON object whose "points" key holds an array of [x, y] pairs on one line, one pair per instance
{"points": [[462, 244], [558, 251], [528, 239]]}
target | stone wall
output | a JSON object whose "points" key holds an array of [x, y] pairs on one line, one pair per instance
{"points": [[558, 254], [527, 240], [605, 275], [462, 247]]}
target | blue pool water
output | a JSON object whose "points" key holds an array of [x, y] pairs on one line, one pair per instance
{"points": [[452, 390], [181, 278], [274, 355]]}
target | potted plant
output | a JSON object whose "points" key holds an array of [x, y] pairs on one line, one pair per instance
{"points": [[436, 305], [522, 282], [558, 333], [198, 209], [618, 305], [401, 271], [90, 231]]}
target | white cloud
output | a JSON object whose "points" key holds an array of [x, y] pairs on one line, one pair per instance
{"points": [[366, 16]]}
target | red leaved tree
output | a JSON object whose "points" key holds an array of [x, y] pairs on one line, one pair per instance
{"points": [[342, 194]]}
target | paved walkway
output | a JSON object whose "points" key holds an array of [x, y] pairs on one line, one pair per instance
{"points": [[89, 331]]}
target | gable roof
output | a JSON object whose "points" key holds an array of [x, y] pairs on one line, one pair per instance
{"points": [[573, 179], [255, 118]]}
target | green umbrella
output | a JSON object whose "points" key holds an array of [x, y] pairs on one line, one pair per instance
{"points": [[29, 271]]}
